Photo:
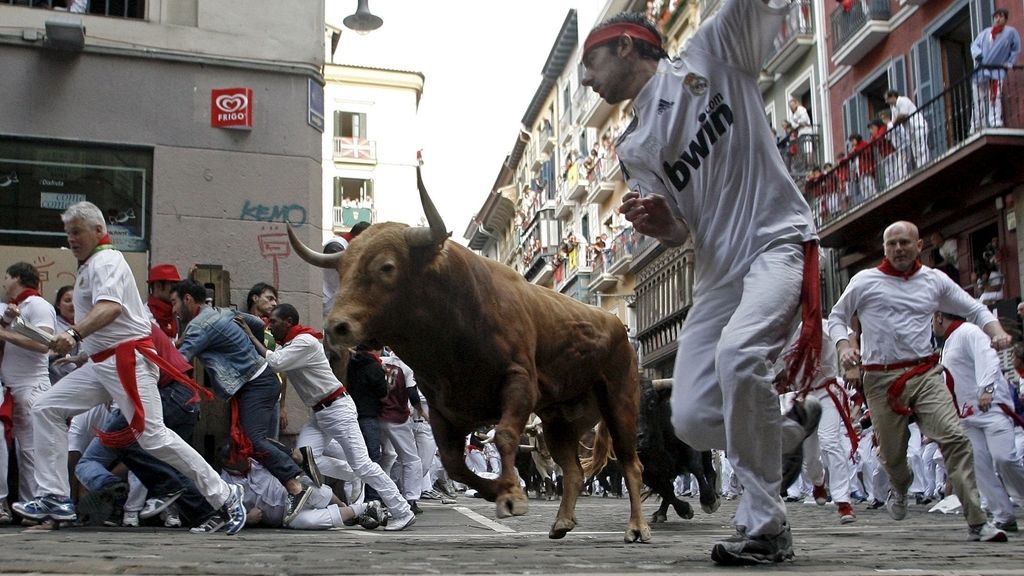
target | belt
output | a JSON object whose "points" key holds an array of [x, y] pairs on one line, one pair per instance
{"points": [[901, 365], [329, 399]]}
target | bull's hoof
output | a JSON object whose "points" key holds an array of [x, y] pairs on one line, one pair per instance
{"points": [[658, 518], [560, 528], [640, 534], [509, 505], [684, 510], [711, 507]]}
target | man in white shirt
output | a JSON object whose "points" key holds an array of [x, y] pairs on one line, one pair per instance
{"points": [[25, 366], [895, 303], [113, 327], [300, 356], [700, 162], [905, 117], [985, 407], [995, 51]]}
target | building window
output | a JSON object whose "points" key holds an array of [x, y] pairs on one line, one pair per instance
{"points": [[353, 201], [349, 124], [40, 179], [118, 8]]}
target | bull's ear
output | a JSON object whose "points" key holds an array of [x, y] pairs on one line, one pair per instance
{"points": [[311, 256], [437, 233]]}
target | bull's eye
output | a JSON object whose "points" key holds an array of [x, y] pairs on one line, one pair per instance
{"points": [[387, 268]]}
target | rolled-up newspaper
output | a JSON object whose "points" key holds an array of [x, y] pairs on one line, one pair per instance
{"points": [[31, 332]]}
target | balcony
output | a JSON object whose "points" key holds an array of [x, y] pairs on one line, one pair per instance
{"points": [[564, 206], [623, 247], [135, 9], [547, 138], [600, 278], [856, 32], [595, 110], [347, 217], [355, 150], [939, 160], [802, 155], [575, 184], [794, 40]]}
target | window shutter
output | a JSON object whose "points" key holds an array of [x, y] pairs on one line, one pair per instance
{"points": [[981, 16], [898, 74], [924, 88]]}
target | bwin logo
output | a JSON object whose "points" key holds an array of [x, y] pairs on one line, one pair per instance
{"points": [[714, 122], [664, 105]]}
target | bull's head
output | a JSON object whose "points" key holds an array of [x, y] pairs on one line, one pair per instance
{"points": [[374, 269], [653, 419]]}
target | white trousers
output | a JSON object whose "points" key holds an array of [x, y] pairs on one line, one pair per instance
{"points": [[426, 448], [835, 454], [723, 395], [94, 384], [25, 396], [914, 456], [403, 439], [992, 437], [339, 422], [320, 514]]}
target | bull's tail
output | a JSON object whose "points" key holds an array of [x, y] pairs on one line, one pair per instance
{"points": [[601, 452]]}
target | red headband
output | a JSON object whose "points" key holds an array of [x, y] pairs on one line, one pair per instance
{"points": [[611, 32]]}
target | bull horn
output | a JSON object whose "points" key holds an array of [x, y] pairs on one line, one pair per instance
{"points": [[315, 258], [662, 384], [437, 233]]}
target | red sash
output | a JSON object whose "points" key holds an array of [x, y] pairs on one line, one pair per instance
{"points": [[915, 368], [805, 356], [842, 402], [124, 354]]}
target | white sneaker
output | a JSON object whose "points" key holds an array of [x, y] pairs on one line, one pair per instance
{"points": [[171, 518], [896, 505], [985, 533], [130, 519], [400, 522]]}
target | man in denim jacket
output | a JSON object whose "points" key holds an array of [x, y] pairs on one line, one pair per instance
{"points": [[241, 375]]}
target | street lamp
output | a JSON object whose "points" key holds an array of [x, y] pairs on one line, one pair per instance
{"points": [[363, 21]]}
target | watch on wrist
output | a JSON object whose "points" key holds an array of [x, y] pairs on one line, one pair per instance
{"points": [[989, 389], [74, 334]]}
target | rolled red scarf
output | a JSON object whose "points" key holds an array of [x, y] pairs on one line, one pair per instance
{"points": [[997, 30], [163, 313], [805, 357], [842, 402], [300, 329], [887, 268], [24, 295], [914, 368]]}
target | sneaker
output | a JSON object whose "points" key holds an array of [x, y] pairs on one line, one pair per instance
{"points": [[444, 488], [875, 505], [370, 518], [234, 510], [130, 519], [104, 507], [985, 533], [742, 550], [171, 517], [5, 513], [155, 506], [309, 466], [431, 494], [1010, 526], [415, 508], [896, 505], [820, 495], [296, 502], [59, 508], [212, 524], [400, 522], [846, 513]]}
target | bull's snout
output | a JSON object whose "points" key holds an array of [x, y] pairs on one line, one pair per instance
{"points": [[341, 331]]}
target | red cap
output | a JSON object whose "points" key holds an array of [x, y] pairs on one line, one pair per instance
{"points": [[163, 273]]}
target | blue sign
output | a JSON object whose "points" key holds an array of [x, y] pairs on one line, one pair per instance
{"points": [[316, 105]]}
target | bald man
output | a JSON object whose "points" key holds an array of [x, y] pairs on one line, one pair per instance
{"points": [[902, 376]]}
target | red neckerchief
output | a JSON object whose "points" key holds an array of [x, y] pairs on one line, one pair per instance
{"points": [[347, 236], [300, 329], [163, 313], [886, 267], [997, 30], [953, 325], [105, 244], [24, 295]]}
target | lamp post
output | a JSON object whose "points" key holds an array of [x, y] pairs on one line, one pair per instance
{"points": [[363, 21]]}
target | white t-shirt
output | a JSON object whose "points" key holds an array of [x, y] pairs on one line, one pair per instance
{"points": [[974, 364], [896, 314], [106, 277], [700, 138], [23, 367], [303, 361], [332, 283]]}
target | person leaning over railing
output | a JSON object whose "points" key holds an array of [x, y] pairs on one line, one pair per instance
{"points": [[995, 51]]}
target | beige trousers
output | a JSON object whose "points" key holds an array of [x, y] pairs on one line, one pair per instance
{"points": [[932, 403]]}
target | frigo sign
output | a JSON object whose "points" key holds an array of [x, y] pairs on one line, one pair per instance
{"points": [[231, 108]]}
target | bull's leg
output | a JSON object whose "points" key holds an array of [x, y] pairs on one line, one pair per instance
{"points": [[706, 480], [661, 514], [620, 413], [562, 441], [518, 398], [451, 447]]}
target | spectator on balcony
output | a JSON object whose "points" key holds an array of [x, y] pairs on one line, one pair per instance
{"points": [[995, 51], [749, 283], [906, 117], [944, 256], [883, 150]]}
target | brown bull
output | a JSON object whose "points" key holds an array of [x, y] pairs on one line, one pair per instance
{"points": [[488, 347]]}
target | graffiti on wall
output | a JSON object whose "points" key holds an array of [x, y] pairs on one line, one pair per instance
{"points": [[274, 246], [293, 213]]}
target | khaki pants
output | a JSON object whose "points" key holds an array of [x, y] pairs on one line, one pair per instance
{"points": [[928, 396]]}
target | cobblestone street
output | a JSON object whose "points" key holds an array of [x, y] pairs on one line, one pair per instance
{"points": [[465, 539]]}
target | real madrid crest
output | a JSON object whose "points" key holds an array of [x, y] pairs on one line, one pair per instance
{"points": [[696, 83]]}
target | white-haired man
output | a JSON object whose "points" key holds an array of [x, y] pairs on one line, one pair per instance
{"points": [[113, 326]]}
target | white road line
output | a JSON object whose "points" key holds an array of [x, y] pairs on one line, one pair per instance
{"points": [[483, 520]]}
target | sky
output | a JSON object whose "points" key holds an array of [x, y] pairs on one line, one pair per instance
{"points": [[482, 63]]}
